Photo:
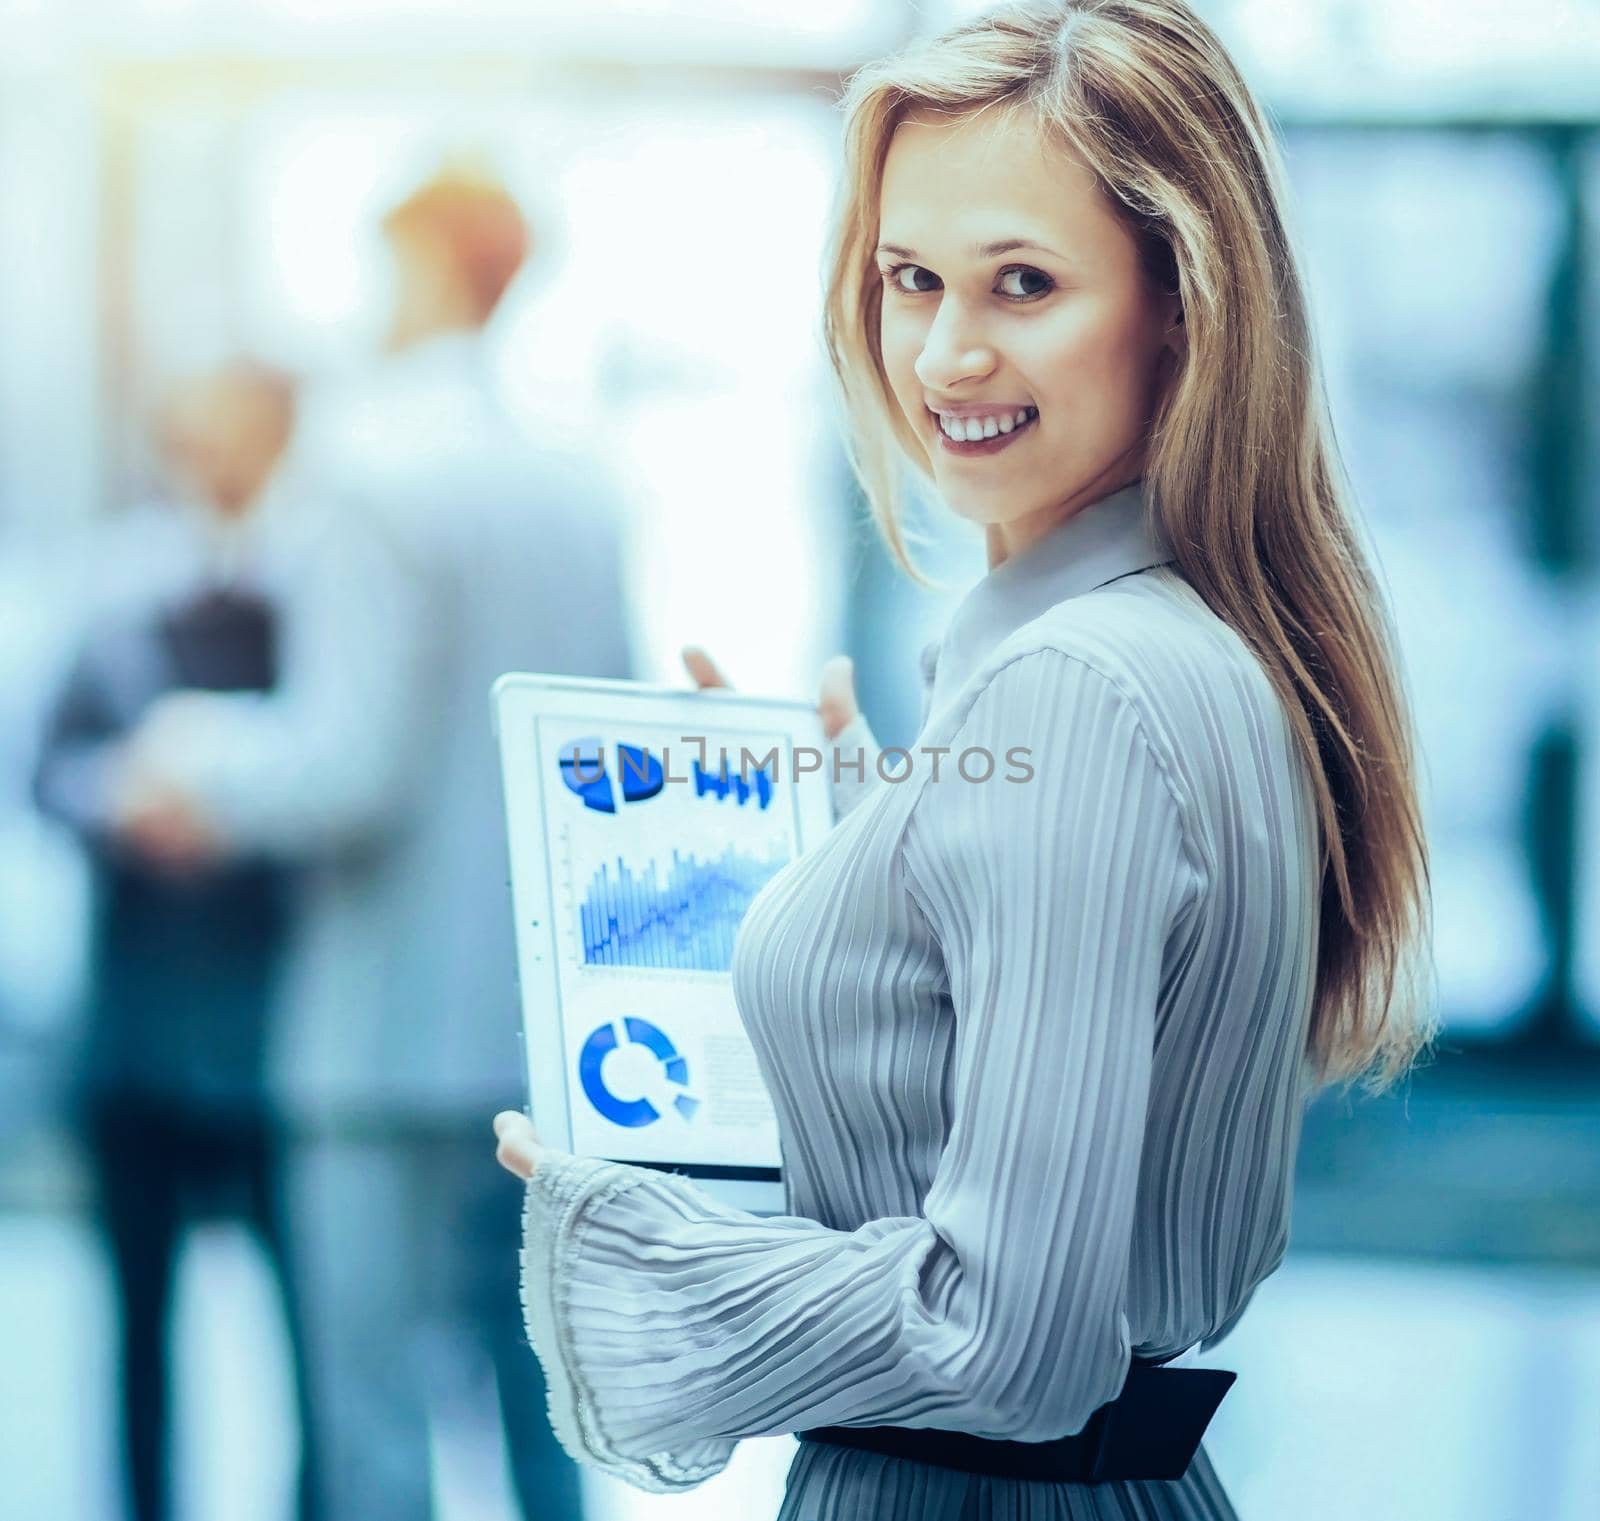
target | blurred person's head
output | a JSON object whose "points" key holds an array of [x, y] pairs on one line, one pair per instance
{"points": [[224, 432], [457, 242], [1075, 210]]}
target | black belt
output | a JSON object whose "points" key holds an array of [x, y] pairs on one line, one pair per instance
{"points": [[1149, 1431]]}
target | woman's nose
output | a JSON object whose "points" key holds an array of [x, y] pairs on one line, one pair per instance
{"points": [[953, 351]]}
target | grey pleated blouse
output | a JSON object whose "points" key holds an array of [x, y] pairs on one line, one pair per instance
{"points": [[1036, 1047]]}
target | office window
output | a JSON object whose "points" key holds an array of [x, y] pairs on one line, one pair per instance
{"points": [[667, 324], [1429, 260]]}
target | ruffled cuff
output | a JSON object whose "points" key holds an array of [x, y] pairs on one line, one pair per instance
{"points": [[563, 1198], [853, 765]]}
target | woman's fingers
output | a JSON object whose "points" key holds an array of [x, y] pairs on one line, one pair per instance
{"points": [[837, 702], [518, 1149], [703, 668]]}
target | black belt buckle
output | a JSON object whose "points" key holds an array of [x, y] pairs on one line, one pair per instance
{"points": [[1153, 1428]]}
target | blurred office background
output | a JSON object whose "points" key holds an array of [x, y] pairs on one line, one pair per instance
{"points": [[184, 180]]}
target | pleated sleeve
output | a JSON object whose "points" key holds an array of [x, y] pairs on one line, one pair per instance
{"points": [[671, 1325]]}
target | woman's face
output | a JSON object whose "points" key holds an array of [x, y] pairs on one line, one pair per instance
{"points": [[1011, 289]]}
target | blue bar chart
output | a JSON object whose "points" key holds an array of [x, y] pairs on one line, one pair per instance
{"points": [[683, 918], [740, 784]]}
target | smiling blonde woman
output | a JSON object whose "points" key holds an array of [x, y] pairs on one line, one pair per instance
{"points": [[1040, 1049]]}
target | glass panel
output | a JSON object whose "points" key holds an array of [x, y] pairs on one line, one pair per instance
{"points": [[1585, 632], [1367, 50], [1428, 259]]}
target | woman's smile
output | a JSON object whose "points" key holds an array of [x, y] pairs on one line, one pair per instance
{"points": [[988, 433]]}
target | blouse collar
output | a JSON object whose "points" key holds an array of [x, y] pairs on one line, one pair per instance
{"points": [[1112, 537]]}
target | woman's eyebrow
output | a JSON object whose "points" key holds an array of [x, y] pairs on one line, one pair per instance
{"points": [[981, 250]]}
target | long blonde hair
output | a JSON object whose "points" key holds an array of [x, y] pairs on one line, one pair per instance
{"points": [[1242, 464]]}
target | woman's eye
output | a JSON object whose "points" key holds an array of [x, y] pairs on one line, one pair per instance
{"points": [[905, 277], [1021, 283]]}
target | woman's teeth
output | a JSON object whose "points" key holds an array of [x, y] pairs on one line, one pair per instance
{"points": [[972, 430]]}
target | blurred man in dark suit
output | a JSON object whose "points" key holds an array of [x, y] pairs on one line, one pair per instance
{"points": [[185, 947]]}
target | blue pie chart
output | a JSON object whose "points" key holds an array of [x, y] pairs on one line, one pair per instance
{"points": [[632, 1112]]}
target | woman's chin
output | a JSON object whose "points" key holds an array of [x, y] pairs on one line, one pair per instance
{"points": [[982, 510]]}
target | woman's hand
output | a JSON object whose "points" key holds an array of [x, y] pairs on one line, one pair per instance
{"points": [[836, 701], [519, 1149]]}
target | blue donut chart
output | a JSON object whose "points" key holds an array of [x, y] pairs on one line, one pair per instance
{"points": [[636, 1112]]}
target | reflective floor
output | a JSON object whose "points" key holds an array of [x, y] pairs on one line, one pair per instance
{"points": [[1367, 1389]]}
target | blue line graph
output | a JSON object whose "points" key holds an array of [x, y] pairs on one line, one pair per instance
{"points": [[686, 923]]}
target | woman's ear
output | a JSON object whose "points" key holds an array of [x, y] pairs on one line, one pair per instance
{"points": [[1174, 347], [1176, 336], [1175, 333]]}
